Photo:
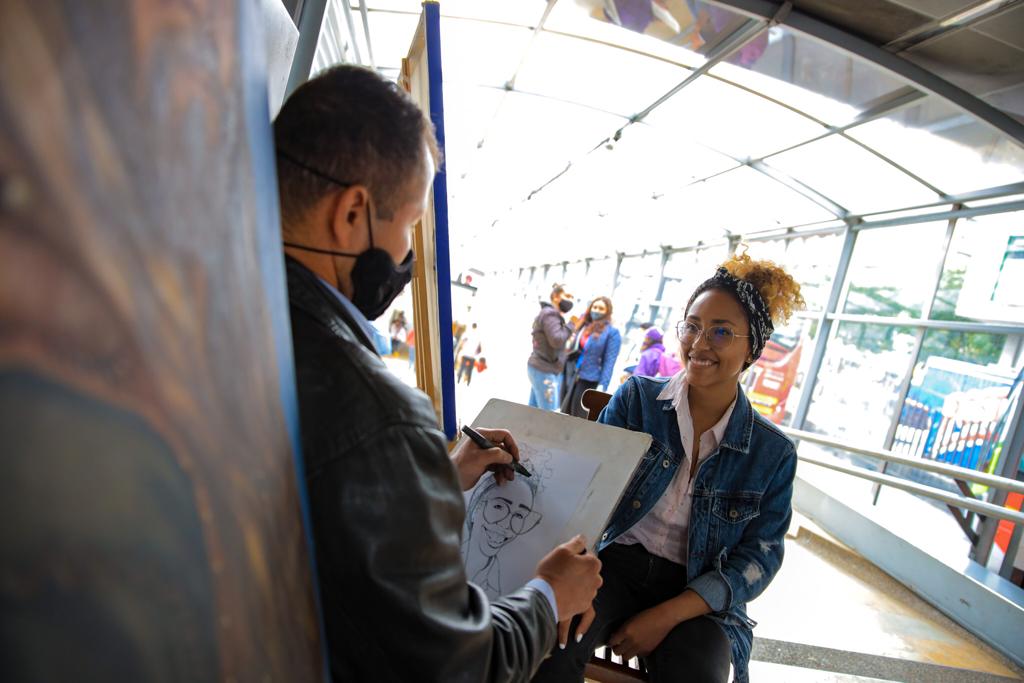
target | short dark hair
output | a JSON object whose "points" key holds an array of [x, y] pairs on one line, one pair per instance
{"points": [[353, 125], [557, 289]]}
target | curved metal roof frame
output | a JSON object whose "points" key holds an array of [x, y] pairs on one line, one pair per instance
{"points": [[928, 81], [761, 16], [766, 14]]}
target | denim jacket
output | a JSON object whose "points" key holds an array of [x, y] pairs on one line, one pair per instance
{"points": [[599, 355], [741, 502]]}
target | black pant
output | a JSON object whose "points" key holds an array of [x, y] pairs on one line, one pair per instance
{"points": [[696, 651], [572, 404]]}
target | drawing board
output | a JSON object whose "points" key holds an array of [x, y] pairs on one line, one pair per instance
{"points": [[579, 471]]}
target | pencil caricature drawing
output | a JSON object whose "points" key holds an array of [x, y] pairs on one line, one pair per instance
{"points": [[495, 517], [509, 527], [577, 469]]}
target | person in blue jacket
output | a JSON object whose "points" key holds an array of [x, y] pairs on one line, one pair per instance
{"points": [[593, 351], [700, 527]]}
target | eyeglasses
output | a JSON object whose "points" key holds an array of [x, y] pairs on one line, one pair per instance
{"points": [[498, 510], [719, 338]]}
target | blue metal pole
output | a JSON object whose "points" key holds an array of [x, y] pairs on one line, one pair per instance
{"points": [[432, 21]]}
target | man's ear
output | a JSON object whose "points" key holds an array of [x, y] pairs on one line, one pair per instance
{"points": [[348, 217]]}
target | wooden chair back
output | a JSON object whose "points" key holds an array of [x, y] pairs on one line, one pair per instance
{"points": [[595, 401], [602, 668]]}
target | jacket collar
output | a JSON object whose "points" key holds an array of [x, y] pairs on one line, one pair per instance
{"points": [[741, 423], [308, 294]]}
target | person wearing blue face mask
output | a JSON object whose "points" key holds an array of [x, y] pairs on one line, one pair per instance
{"points": [[356, 158], [592, 355]]}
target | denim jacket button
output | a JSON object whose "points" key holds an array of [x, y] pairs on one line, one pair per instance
{"points": [[636, 504], [604, 536], [665, 463], [733, 514]]}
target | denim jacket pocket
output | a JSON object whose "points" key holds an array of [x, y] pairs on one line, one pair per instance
{"points": [[649, 468], [734, 508], [653, 474]]}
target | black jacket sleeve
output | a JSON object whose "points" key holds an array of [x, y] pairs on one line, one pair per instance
{"points": [[555, 331], [387, 514]]}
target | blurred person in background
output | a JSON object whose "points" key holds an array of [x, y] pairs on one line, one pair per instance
{"points": [[547, 361], [398, 330], [468, 350], [669, 363], [593, 351], [651, 351], [410, 341], [633, 340]]}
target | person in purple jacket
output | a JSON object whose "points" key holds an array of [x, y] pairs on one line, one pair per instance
{"points": [[651, 352]]}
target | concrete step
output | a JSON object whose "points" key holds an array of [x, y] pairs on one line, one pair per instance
{"points": [[815, 663], [767, 672]]}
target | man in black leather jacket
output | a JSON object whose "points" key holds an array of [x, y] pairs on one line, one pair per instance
{"points": [[355, 161]]}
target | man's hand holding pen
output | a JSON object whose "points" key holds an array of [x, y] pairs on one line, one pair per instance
{"points": [[472, 461]]}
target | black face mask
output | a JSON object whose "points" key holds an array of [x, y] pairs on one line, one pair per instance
{"points": [[565, 305], [376, 280]]}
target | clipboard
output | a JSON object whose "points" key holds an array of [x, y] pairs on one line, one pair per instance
{"points": [[582, 469]]}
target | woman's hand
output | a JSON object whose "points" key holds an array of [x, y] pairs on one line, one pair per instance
{"points": [[643, 632], [471, 461]]}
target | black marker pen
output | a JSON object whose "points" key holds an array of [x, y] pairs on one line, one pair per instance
{"points": [[483, 442]]}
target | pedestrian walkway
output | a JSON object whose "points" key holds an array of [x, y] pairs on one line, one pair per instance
{"points": [[830, 615]]}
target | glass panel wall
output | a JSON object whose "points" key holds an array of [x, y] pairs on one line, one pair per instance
{"points": [[682, 31], [851, 176], [893, 270], [732, 120], [775, 383], [945, 147], [812, 77], [576, 280], [812, 262], [636, 290], [957, 409], [600, 276], [858, 384], [983, 275]]}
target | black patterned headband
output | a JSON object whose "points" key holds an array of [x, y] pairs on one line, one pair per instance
{"points": [[761, 326]]}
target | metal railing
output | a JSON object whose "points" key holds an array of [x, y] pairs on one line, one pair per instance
{"points": [[954, 472]]}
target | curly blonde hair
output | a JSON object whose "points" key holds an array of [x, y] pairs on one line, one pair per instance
{"points": [[781, 293]]}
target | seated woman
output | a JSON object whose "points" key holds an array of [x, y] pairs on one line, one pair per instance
{"points": [[593, 351], [699, 531]]}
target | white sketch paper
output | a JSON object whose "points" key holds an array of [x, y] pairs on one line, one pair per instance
{"points": [[509, 527], [580, 470]]}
